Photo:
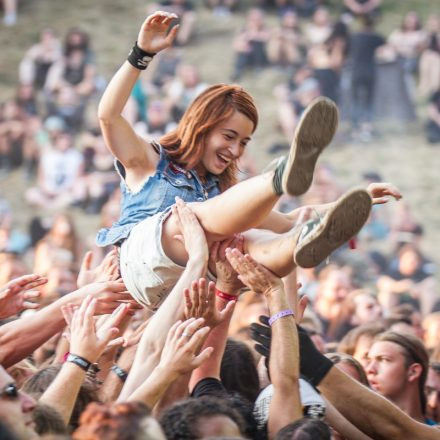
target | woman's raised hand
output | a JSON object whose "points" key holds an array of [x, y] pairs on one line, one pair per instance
{"points": [[153, 35]]}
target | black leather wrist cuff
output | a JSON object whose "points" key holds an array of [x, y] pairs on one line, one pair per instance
{"points": [[139, 58], [78, 360]]}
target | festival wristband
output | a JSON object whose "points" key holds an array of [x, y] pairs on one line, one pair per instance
{"points": [[139, 58], [282, 314], [122, 374], [225, 296], [79, 361]]}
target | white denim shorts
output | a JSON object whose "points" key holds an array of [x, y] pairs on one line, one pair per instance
{"points": [[147, 272]]}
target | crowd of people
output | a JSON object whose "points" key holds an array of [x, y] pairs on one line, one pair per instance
{"points": [[186, 323]]}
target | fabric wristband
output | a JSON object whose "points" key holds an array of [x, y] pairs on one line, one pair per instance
{"points": [[122, 374], [281, 314], [79, 361], [225, 296], [139, 58]]}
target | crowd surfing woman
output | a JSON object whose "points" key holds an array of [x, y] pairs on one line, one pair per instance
{"points": [[197, 163]]}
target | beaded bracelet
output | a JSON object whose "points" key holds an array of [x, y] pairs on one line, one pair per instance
{"points": [[281, 314]]}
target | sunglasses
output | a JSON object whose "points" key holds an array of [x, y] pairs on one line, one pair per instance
{"points": [[9, 391]]}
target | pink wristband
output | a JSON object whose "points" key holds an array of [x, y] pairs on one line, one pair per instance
{"points": [[225, 296], [282, 314]]}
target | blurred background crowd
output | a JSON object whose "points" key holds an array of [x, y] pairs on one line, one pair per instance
{"points": [[55, 165]]}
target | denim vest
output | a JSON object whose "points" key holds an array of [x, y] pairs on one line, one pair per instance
{"points": [[156, 195]]}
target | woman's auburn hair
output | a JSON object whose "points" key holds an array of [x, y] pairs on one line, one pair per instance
{"points": [[186, 143]]}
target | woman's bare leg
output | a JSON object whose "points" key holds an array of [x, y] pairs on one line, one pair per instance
{"points": [[245, 205]]}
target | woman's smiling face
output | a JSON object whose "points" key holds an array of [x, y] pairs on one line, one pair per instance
{"points": [[225, 144]]}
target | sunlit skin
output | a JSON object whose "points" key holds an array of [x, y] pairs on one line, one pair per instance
{"points": [[361, 350], [432, 391], [16, 412], [225, 143], [389, 375]]}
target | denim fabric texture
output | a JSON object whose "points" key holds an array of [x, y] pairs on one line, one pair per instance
{"points": [[157, 194]]}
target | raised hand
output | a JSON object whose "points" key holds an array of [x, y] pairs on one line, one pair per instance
{"points": [[153, 35], [15, 295], [109, 296], [194, 237], [107, 270], [86, 340], [252, 274], [381, 192], [200, 303], [179, 355], [227, 277]]}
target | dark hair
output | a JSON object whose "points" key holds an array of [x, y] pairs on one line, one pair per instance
{"points": [[40, 381], [113, 421], [344, 358], [414, 352], [305, 429], [238, 372], [6, 432], [350, 340], [180, 422], [246, 410], [48, 420]]}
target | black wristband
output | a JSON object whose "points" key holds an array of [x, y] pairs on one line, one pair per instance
{"points": [[122, 374], [78, 360], [139, 58]]}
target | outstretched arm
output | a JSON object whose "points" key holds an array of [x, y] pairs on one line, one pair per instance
{"points": [[370, 412], [133, 152], [285, 406], [154, 336], [87, 343], [36, 329]]}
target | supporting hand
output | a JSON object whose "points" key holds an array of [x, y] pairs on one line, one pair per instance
{"points": [[252, 274], [107, 270], [200, 303], [15, 295]]}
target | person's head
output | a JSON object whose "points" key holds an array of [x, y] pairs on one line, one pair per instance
{"points": [[199, 418], [16, 407], [118, 421], [411, 22], [349, 365], [398, 367], [63, 142], [409, 259], [305, 429], [48, 420], [431, 330], [188, 74], [357, 342], [432, 390], [290, 20], [238, 371], [321, 17], [366, 308], [213, 132], [40, 381], [76, 39]]}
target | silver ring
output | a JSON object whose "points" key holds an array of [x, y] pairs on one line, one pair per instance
{"points": [[187, 335]]}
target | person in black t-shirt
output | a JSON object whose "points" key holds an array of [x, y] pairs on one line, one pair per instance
{"points": [[363, 47]]}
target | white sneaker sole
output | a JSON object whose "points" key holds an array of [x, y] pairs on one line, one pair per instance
{"points": [[342, 222], [314, 132]]}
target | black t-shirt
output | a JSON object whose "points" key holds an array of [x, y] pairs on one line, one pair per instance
{"points": [[363, 46], [185, 5], [209, 387]]}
